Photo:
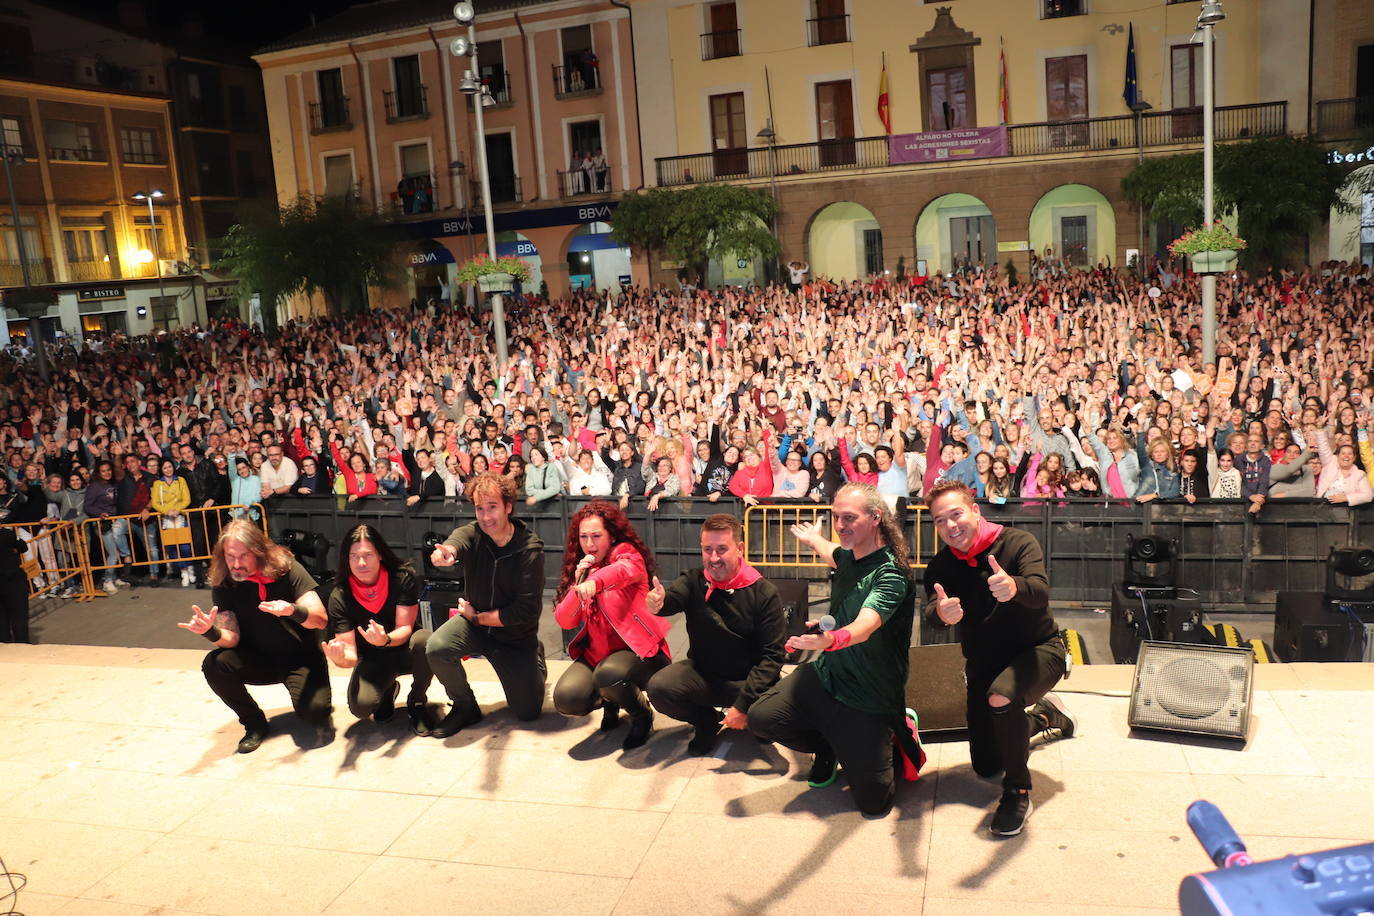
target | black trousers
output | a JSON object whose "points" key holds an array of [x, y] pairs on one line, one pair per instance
{"points": [[377, 671], [519, 666], [681, 692], [799, 713], [229, 671], [999, 738], [14, 609], [617, 679]]}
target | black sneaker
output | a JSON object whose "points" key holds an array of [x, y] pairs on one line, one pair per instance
{"points": [[387, 707], [641, 727], [824, 769], [1012, 812], [458, 718], [610, 716], [1053, 717], [704, 740], [253, 736]]}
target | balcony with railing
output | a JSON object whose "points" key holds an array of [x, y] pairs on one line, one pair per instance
{"points": [[827, 30], [504, 190], [499, 85], [95, 269], [578, 80], [583, 182], [1182, 127], [1341, 119], [715, 45], [1062, 9], [143, 157], [12, 274], [406, 105], [330, 116], [76, 154], [415, 194]]}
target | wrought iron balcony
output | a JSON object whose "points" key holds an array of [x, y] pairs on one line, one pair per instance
{"points": [[827, 30], [715, 45], [1340, 119], [330, 116], [576, 80], [409, 105]]}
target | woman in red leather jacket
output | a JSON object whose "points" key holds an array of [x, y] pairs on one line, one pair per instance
{"points": [[620, 644]]}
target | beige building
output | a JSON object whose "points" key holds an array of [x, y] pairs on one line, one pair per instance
{"points": [[367, 104], [1343, 114], [784, 94]]}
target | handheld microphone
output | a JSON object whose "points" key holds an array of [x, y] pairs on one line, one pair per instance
{"points": [[1217, 836], [826, 623]]}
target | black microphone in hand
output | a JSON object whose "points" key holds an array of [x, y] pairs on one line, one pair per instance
{"points": [[1217, 836]]}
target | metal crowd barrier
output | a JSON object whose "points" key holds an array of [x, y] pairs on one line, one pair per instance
{"points": [[55, 559], [144, 541], [1229, 556]]}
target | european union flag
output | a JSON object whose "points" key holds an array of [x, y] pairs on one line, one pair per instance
{"points": [[1131, 93]]}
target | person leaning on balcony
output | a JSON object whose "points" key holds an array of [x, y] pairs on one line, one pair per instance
{"points": [[577, 176], [602, 170]]}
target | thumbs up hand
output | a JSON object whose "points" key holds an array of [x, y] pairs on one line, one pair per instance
{"points": [[948, 609], [1000, 583]]}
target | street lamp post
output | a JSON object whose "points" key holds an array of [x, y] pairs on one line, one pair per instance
{"points": [[472, 87], [770, 137], [150, 196], [28, 306], [1138, 109], [1208, 17]]}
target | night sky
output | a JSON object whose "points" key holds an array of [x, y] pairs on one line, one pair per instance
{"points": [[247, 23]]}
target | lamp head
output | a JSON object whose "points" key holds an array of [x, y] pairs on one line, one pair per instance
{"points": [[1211, 13], [461, 47], [469, 85], [463, 12]]}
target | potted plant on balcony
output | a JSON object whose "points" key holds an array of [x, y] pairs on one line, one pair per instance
{"points": [[494, 276], [1211, 247]]}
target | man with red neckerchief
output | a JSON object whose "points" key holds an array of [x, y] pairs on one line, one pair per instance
{"points": [[736, 629], [990, 582]]}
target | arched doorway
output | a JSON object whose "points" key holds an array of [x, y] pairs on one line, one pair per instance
{"points": [[738, 269], [955, 230], [595, 260], [845, 242], [1077, 223], [432, 267]]}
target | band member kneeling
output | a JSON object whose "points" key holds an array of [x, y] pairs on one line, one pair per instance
{"points": [[372, 614], [842, 707], [620, 644], [736, 629], [263, 604], [503, 578], [990, 582]]}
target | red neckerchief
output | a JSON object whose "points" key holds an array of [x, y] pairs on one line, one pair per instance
{"points": [[378, 590], [744, 577], [987, 533], [263, 582]]}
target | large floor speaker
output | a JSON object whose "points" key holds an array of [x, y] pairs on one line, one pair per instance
{"points": [[1202, 690], [935, 688], [1160, 615], [1310, 628], [438, 603]]}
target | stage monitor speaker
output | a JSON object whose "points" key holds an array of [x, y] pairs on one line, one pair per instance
{"points": [[795, 595], [1203, 690], [1151, 613], [437, 604], [935, 688], [1308, 627]]}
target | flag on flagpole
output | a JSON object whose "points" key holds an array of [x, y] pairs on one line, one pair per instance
{"points": [[1131, 92], [1002, 85], [884, 109]]}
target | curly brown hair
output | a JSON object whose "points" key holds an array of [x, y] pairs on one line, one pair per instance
{"points": [[620, 530]]}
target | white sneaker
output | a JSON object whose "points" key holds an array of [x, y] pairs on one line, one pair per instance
{"points": [[109, 587], [122, 583]]}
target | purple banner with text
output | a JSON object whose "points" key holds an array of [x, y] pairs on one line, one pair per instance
{"points": [[947, 145]]}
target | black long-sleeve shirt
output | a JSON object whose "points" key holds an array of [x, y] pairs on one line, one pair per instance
{"points": [[992, 633], [736, 636], [508, 579]]}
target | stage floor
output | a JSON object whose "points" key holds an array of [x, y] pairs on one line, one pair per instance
{"points": [[120, 794]]}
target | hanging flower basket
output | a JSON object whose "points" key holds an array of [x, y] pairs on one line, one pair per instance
{"points": [[494, 276], [1211, 247]]}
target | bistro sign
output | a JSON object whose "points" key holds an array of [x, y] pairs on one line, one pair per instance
{"points": [[99, 293]]}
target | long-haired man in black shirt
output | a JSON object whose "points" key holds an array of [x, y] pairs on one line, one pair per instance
{"points": [[990, 582]]}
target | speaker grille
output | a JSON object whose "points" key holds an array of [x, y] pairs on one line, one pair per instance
{"points": [[1199, 689]]}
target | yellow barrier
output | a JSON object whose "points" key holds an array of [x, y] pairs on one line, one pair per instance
{"points": [[768, 540], [55, 559], [124, 530]]}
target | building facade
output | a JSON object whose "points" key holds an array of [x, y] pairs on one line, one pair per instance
{"points": [[368, 105], [1008, 128], [1343, 117]]}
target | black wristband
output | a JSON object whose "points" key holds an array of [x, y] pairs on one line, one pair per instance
{"points": [[213, 634], [300, 614]]}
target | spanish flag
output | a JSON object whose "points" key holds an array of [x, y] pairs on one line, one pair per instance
{"points": [[884, 111], [1002, 84]]}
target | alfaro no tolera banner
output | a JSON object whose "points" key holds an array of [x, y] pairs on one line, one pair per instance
{"points": [[947, 145]]}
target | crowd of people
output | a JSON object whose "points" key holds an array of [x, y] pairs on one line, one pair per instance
{"points": [[1068, 383]]}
